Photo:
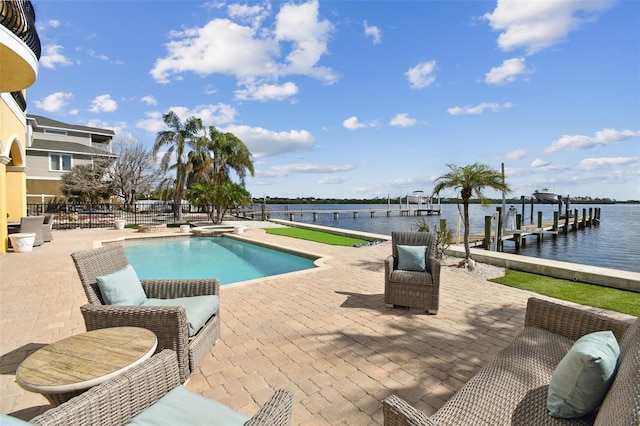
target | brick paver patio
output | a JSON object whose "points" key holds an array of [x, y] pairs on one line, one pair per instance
{"points": [[325, 334]]}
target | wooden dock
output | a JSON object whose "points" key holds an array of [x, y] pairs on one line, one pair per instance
{"points": [[561, 225], [336, 213]]}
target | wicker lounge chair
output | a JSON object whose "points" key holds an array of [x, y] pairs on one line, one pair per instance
{"points": [[117, 401], [46, 227], [169, 323], [411, 288]]}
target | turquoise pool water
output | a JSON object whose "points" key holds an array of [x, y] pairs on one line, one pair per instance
{"points": [[227, 259]]}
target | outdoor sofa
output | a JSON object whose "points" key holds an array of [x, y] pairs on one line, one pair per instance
{"points": [[150, 394], [512, 388]]}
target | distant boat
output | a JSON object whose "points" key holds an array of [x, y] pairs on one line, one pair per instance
{"points": [[418, 197], [545, 195]]}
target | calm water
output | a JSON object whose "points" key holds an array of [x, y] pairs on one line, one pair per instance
{"points": [[612, 244], [224, 258]]}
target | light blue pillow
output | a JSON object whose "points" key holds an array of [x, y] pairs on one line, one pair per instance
{"points": [[412, 258], [11, 421], [183, 407], [199, 309], [122, 287], [582, 378]]}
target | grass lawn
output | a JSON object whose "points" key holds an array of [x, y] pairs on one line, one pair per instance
{"points": [[317, 236], [627, 302]]}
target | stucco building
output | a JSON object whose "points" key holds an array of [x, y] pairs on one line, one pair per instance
{"points": [[19, 55]]}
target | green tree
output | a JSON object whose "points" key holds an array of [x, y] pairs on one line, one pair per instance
{"points": [[467, 181], [212, 163], [229, 195], [87, 184], [178, 139]]}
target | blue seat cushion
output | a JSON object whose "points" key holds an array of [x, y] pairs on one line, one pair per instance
{"points": [[199, 309], [122, 287], [182, 407]]}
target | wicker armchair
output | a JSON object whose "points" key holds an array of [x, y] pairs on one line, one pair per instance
{"points": [[169, 323], [413, 289], [120, 399], [46, 227], [32, 225]]}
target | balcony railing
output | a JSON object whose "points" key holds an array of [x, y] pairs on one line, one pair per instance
{"points": [[19, 17]]}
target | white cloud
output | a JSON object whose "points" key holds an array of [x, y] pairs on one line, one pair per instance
{"points": [[421, 75], [300, 25], [332, 180], [508, 72], [267, 92], [253, 15], [403, 120], [589, 164], [352, 123], [149, 100], [536, 25], [373, 32], [517, 154], [304, 168], [541, 166], [578, 142], [251, 53], [538, 162], [103, 103], [54, 102], [263, 142], [211, 115], [51, 57], [479, 109]]}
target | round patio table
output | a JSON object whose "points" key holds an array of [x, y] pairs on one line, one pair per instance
{"points": [[71, 366]]}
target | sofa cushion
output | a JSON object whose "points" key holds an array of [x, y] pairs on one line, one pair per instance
{"points": [[183, 407], [583, 376], [199, 309], [412, 258], [122, 287]]}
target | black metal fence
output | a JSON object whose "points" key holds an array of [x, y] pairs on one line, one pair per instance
{"points": [[103, 215]]}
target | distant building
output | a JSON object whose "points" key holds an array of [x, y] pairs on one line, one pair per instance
{"points": [[54, 148], [19, 55]]}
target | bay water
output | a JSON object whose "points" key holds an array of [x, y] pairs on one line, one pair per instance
{"points": [[611, 244]]}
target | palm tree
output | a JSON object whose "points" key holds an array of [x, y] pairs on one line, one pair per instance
{"points": [[212, 162], [178, 138], [469, 180]]}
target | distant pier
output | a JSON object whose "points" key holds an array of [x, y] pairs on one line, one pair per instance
{"points": [[494, 237], [265, 214]]}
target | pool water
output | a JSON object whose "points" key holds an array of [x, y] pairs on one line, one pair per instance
{"points": [[227, 259]]}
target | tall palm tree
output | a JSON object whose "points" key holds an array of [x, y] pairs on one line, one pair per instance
{"points": [[178, 138], [469, 180], [212, 162]]}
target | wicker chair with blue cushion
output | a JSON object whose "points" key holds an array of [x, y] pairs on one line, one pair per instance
{"points": [[412, 273], [183, 313], [150, 394]]}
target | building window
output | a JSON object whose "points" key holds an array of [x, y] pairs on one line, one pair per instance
{"points": [[56, 132], [60, 162]]}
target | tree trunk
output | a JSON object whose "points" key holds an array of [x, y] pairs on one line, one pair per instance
{"points": [[467, 250]]}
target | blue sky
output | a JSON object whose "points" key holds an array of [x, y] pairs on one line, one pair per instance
{"points": [[361, 99]]}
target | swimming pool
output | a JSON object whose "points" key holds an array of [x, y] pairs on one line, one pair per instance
{"points": [[227, 259]]}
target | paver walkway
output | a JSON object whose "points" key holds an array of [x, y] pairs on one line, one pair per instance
{"points": [[325, 334]]}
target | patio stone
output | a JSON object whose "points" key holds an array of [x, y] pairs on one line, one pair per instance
{"points": [[325, 334]]}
